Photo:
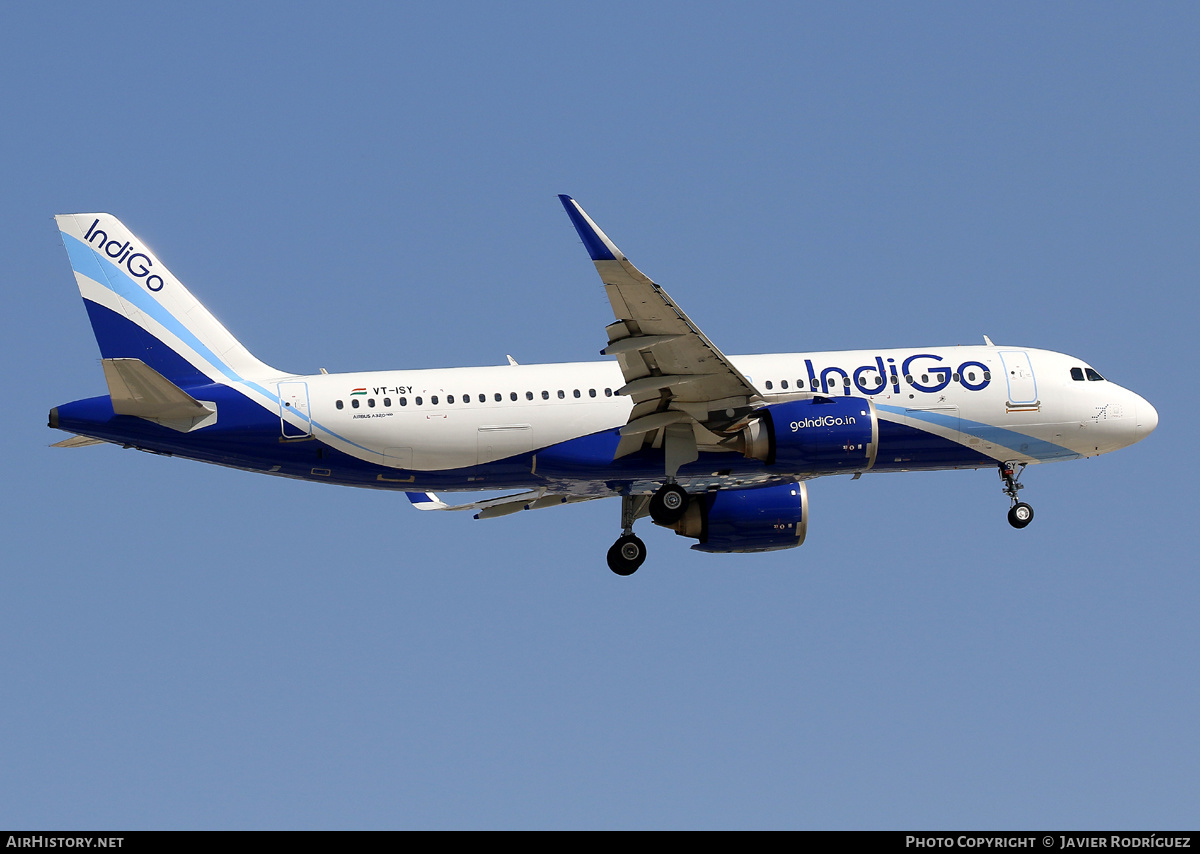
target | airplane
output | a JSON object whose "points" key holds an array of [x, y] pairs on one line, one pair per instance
{"points": [[717, 448]]}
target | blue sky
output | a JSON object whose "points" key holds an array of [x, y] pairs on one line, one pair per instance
{"points": [[186, 646]]}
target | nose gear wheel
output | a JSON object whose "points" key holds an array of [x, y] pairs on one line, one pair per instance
{"points": [[1020, 515]]}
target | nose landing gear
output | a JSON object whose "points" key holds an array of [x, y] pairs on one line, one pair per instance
{"points": [[1020, 514]]}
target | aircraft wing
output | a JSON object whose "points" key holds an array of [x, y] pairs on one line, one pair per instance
{"points": [[535, 499], [673, 372]]}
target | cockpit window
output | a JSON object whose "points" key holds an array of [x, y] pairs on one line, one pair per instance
{"points": [[1077, 374], [1093, 376]]}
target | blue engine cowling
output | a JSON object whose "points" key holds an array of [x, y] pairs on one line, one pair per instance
{"points": [[820, 435], [759, 519]]}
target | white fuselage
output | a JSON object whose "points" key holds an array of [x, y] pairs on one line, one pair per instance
{"points": [[1008, 403]]}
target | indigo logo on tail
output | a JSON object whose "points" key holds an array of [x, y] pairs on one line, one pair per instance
{"points": [[137, 263]]}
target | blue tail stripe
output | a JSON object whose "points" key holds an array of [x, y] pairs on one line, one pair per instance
{"points": [[119, 338]]}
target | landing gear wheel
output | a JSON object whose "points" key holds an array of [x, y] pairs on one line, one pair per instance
{"points": [[626, 555], [1020, 515], [668, 504]]}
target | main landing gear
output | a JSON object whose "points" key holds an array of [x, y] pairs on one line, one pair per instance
{"points": [[626, 554], [1020, 514], [629, 552], [668, 504], [665, 507]]}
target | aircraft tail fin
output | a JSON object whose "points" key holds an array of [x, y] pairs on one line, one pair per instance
{"points": [[139, 310]]}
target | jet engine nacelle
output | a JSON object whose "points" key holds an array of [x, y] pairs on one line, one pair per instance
{"points": [[821, 435], [758, 519]]}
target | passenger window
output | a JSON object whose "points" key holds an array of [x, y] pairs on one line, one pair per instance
{"points": [[339, 403], [449, 399], [769, 386], [970, 376], [404, 401], [545, 395], [591, 392], [387, 401], [576, 392], [418, 401], [799, 383], [483, 398], [1077, 374], [512, 395], [499, 397], [561, 395], [354, 403], [608, 392], [987, 375], [1093, 376], [784, 384], [846, 381], [924, 378], [529, 395], [433, 400]]}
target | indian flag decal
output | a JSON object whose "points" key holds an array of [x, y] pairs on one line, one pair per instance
{"points": [[359, 391]]}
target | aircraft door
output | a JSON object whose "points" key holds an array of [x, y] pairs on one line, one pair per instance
{"points": [[1018, 371], [295, 420]]}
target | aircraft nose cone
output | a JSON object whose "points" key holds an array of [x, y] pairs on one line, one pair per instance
{"points": [[1147, 418]]}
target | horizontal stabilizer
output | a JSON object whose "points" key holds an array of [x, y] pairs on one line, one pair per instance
{"points": [[139, 390], [78, 442]]}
